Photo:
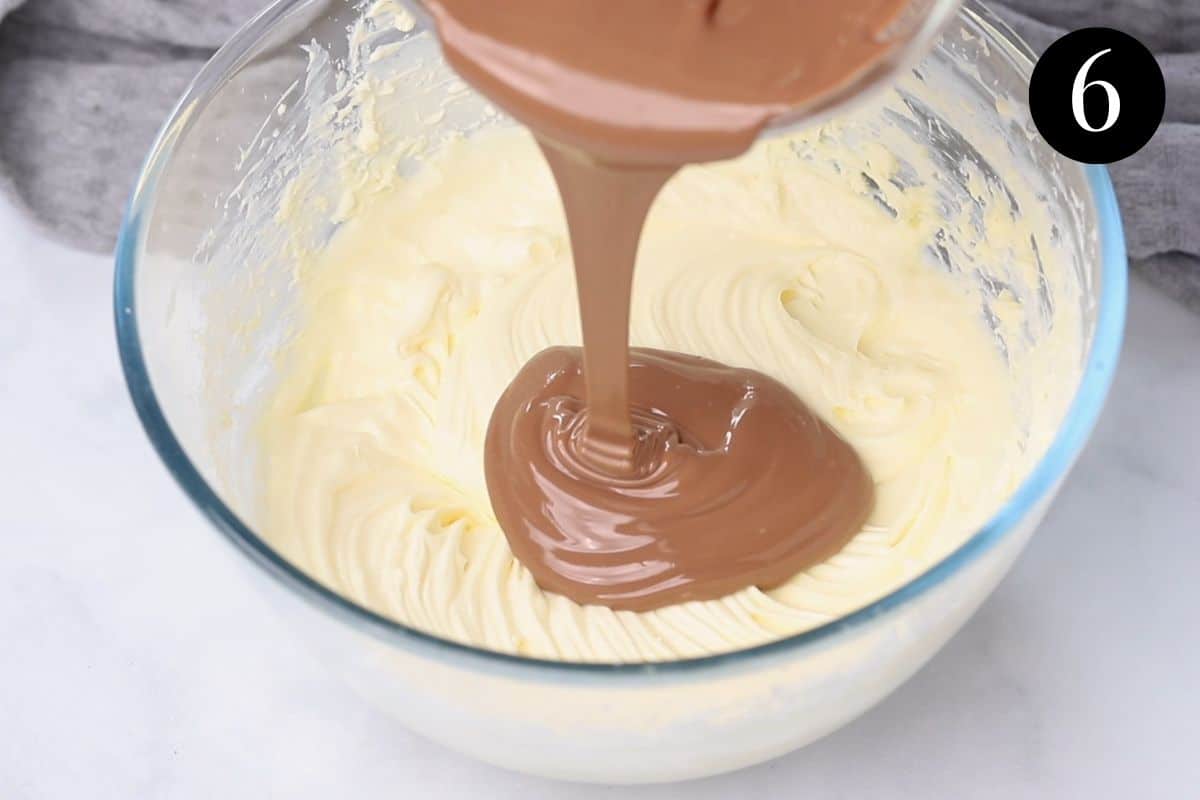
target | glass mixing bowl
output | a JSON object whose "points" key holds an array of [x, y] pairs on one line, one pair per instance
{"points": [[205, 296]]}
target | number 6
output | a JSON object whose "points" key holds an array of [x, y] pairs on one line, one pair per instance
{"points": [[1081, 85]]}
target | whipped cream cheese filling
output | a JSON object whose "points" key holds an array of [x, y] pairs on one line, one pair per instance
{"points": [[430, 298]]}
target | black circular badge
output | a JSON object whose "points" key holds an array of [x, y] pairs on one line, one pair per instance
{"points": [[1097, 95]]}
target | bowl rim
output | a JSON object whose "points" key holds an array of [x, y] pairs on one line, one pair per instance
{"points": [[1075, 429]]}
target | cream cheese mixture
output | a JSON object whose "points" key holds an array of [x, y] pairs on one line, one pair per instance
{"points": [[432, 296]]}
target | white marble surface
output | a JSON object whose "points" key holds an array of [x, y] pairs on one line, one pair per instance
{"points": [[137, 662]]}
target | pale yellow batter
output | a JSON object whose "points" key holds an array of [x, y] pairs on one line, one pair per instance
{"points": [[429, 299]]}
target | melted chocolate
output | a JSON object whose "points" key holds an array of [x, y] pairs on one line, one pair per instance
{"points": [[733, 481], [645, 478], [663, 81]]}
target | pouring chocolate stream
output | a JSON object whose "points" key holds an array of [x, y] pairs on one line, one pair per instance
{"points": [[636, 478]]}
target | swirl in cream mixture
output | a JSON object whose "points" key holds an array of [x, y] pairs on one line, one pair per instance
{"points": [[426, 304]]}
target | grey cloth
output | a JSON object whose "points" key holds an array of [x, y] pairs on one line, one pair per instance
{"points": [[84, 85]]}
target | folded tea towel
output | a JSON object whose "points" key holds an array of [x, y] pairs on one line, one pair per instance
{"points": [[84, 85]]}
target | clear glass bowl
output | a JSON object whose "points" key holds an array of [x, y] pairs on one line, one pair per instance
{"points": [[201, 302]]}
